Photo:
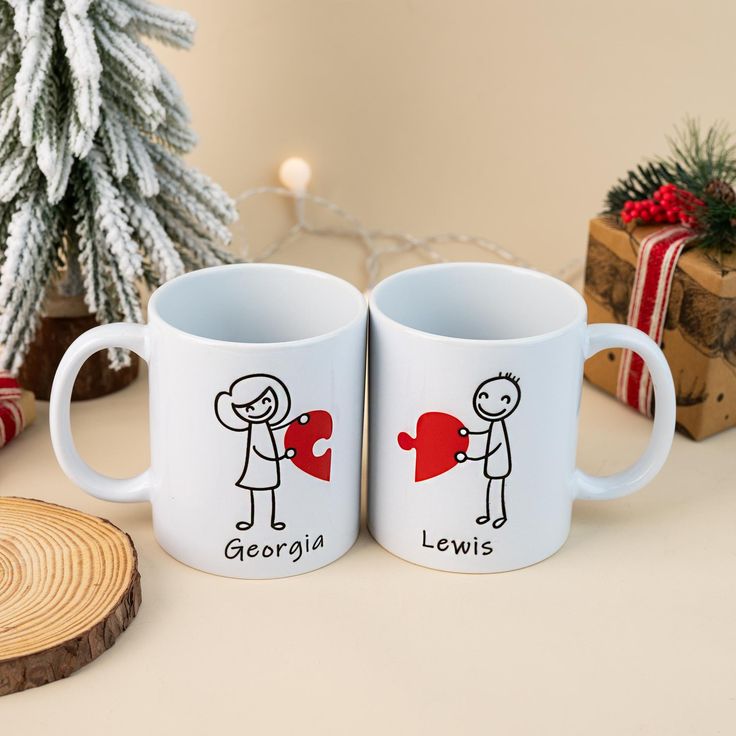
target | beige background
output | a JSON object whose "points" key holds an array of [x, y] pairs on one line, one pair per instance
{"points": [[503, 119], [509, 120]]}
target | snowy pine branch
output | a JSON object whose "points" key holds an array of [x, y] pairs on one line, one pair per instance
{"points": [[138, 103], [116, 12], [196, 250], [195, 183], [159, 248], [112, 133], [128, 52], [16, 167], [35, 64], [98, 289], [28, 265], [84, 63], [6, 214], [53, 149], [164, 24], [141, 165], [111, 221]]}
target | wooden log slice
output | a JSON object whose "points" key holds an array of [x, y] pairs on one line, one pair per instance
{"points": [[69, 586]]}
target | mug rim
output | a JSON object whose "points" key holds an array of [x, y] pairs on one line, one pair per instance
{"points": [[361, 304], [580, 318]]}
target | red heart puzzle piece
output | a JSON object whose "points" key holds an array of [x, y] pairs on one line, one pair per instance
{"points": [[302, 438], [437, 442]]}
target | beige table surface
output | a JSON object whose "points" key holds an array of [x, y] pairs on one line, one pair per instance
{"points": [[629, 629]]}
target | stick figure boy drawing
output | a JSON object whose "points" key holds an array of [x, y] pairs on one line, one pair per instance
{"points": [[494, 401], [258, 404]]}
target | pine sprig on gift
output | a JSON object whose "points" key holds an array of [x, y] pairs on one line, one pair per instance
{"points": [[640, 183], [695, 160], [717, 217], [701, 170], [698, 159]]}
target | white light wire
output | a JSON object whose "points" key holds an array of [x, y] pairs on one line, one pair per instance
{"points": [[398, 242]]}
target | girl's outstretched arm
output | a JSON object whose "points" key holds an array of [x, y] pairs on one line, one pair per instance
{"points": [[302, 419]]}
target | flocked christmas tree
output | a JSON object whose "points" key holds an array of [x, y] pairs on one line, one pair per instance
{"points": [[91, 183]]}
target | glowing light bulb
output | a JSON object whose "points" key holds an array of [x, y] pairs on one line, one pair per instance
{"points": [[295, 174]]}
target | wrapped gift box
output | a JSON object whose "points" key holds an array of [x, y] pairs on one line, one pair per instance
{"points": [[700, 327]]}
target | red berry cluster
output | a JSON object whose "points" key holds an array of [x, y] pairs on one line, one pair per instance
{"points": [[668, 204]]}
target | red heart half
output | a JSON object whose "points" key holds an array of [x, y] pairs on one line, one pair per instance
{"points": [[437, 442], [302, 438]]}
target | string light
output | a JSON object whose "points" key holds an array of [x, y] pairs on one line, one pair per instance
{"points": [[295, 174]]}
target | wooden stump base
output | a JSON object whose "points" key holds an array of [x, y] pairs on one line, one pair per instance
{"points": [[69, 586], [53, 336]]}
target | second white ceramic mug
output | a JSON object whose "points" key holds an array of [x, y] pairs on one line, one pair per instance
{"points": [[475, 380], [256, 380]]}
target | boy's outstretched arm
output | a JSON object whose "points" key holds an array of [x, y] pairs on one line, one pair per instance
{"points": [[461, 457], [464, 431]]}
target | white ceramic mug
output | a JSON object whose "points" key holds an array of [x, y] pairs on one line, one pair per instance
{"points": [[256, 376], [475, 376]]}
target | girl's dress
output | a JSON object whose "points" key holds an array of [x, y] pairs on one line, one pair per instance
{"points": [[260, 474]]}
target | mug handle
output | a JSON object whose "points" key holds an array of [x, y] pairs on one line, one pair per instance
{"points": [[602, 336], [119, 335]]}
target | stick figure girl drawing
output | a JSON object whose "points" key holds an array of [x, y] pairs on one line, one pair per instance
{"points": [[258, 404]]}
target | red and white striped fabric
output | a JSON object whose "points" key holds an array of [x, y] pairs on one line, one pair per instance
{"points": [[12, 420], [655, 269]]}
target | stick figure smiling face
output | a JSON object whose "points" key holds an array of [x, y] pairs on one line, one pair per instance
{"points": [[496, 398], [260, 410], [255, 399]]}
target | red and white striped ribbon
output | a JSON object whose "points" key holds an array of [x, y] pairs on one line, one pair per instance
{"points": [[12, 420], [655, 270]]}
